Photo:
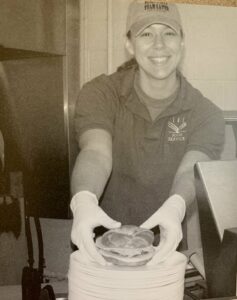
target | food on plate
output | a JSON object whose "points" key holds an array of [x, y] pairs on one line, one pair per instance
{"points": [[128, 245]]}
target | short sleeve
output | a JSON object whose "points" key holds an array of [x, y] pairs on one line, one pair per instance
{"points": [[208, 134], [95, 107]]}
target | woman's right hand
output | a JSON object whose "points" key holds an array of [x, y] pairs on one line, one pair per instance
{"points": [[87, 215]]}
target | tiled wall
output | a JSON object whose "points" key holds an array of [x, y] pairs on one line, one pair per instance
{"points": [[210, 61]]}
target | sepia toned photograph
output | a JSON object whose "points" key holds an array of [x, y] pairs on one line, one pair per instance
{"points": [[118, 150]]}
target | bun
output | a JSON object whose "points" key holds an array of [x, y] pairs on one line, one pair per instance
{"points": [[128, 245]]}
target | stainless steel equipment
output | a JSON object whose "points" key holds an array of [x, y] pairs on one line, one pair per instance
{"points": [[37, 139], [217, 202]]}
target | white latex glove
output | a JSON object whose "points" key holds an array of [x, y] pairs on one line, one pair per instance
{"points": [[86, 216], [169, 218]]}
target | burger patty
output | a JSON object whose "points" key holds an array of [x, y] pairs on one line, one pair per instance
{"points": [[128, 245]]}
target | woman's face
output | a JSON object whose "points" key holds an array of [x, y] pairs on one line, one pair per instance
{"points": [[158, 51]]}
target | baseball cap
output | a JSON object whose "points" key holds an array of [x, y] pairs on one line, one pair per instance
{"points": [[142, 14]]}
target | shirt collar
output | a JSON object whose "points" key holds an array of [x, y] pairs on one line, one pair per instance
{"points": [[127, 81], [131, 99], [182, 102]]}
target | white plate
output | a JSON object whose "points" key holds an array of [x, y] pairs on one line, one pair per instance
{"points": [[90, 281]]}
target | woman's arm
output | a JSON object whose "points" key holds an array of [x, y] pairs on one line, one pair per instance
{"points": [[94, 162], [90, 174], [184, 183]]}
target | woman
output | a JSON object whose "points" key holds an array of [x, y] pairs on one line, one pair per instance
{"points": [[140, 132]]}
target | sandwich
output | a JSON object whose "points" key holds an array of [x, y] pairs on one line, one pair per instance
{"points": [[128, 245]]}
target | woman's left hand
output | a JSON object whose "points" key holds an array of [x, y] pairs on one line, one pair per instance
{"points": [[169, 218]]}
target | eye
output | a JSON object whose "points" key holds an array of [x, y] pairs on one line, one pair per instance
{"points": [[170, 33], [146, 34]]}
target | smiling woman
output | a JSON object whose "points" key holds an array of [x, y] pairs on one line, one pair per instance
{"points": [[140, 131], [209, 55], [158, 50]]}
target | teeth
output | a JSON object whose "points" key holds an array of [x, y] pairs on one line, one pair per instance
{"points": [[159, 59]]}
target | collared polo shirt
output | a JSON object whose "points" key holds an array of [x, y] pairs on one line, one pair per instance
{"points": [[146, 153]]}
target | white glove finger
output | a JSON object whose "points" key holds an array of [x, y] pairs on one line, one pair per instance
{"points": [[152, 221], [160, 256], [84, 254], [167, 246], [161, 242], [87, 258], [106, 221], [90, 248]]}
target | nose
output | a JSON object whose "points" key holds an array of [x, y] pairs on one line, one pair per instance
{"points": [[158, 41]]}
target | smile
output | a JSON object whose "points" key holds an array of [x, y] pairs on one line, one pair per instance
{"points": [[159, 60]]}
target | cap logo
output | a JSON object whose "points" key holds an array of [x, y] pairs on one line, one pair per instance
{"points": [[156, 6]]}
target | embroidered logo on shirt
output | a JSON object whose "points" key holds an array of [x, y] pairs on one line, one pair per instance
{"points": [[177, 126]]}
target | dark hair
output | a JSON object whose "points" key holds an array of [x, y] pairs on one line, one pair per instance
{"points": [[129, 35], [127, 65]]}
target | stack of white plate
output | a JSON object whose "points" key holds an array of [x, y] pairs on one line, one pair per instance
{"points": [[164, 281]]}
